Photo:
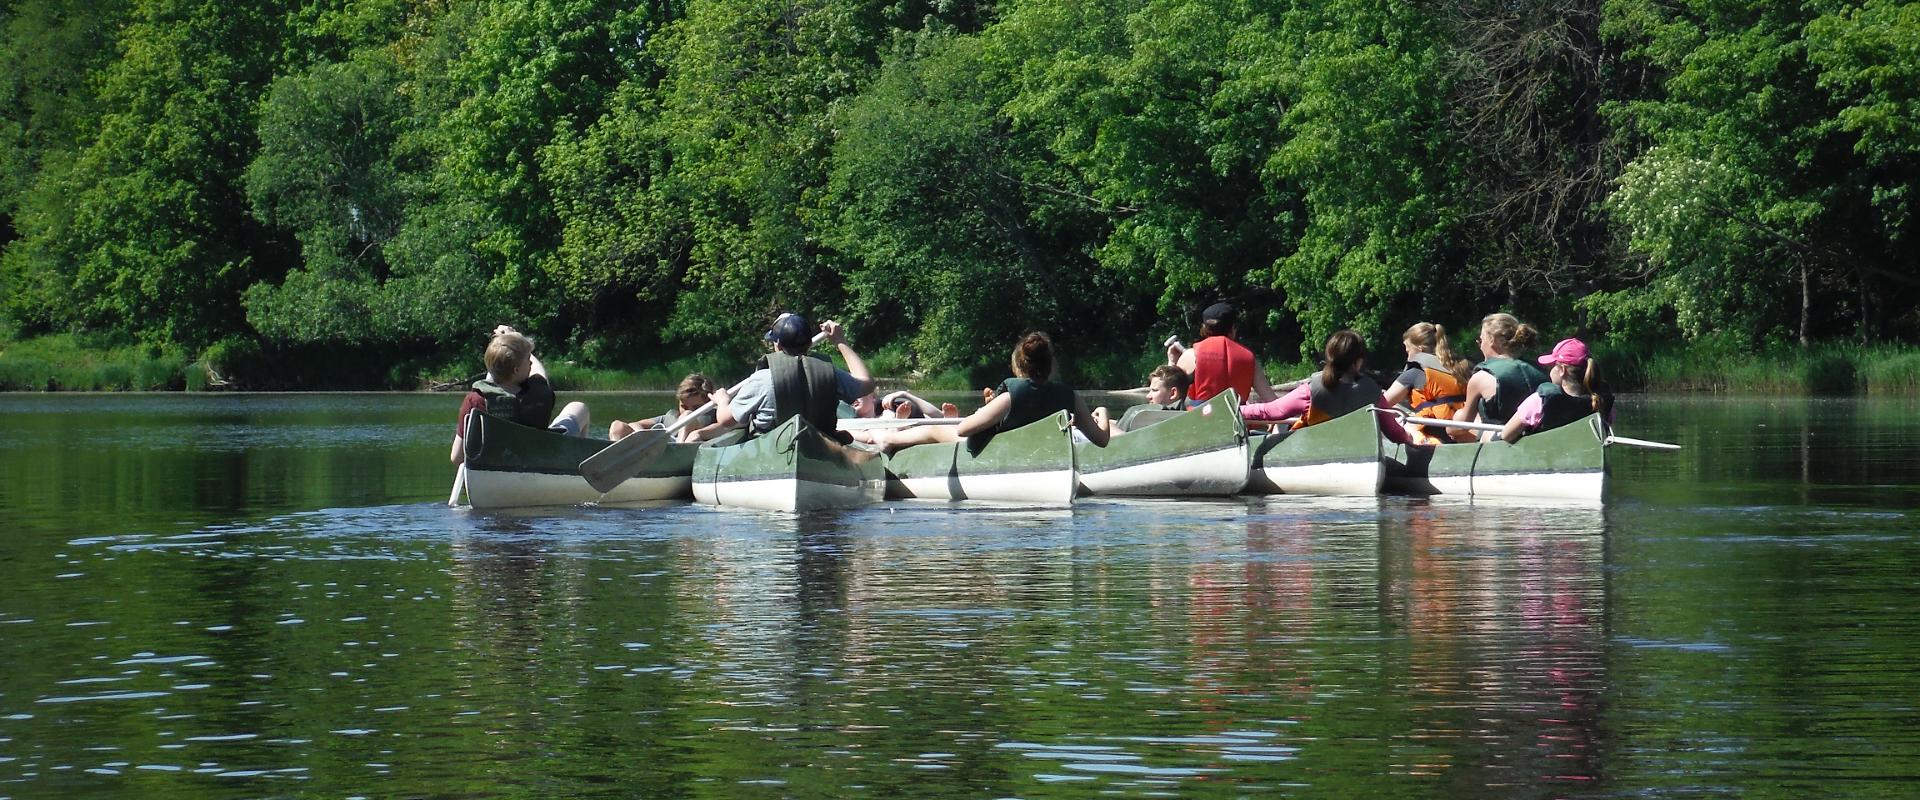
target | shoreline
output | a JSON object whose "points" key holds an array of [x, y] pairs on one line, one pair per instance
{"points": [[62, 364]]}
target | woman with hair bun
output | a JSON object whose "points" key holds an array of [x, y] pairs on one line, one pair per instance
{"points": [[1504, 380], [1029, 396], [1433, 385]]}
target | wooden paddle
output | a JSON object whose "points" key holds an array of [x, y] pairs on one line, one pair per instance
{"points": [[623, 459], [1484, 426]]}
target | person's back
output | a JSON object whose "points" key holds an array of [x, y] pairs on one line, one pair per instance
{"points": [[1219, 362], [1330, 401], [1033, 401], [795, 383], [1515, 380], [516, 390], [1572, 393]]}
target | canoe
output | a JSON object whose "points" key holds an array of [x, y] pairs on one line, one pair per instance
{"points": [[1568, 462], [1338, 457], [1032, 464], [1197, 453], [790, 468], [514, 466]]}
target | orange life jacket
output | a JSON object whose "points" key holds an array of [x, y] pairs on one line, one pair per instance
{"points": [[1219, 364], [1441, 396]]}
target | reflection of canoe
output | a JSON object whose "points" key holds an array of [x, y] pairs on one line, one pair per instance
{"points": [[1337, 457], [1568, 462], [511, 466], [1169, 453], [1030, 464], [790, 468]]}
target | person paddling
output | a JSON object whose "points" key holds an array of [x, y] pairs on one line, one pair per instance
{"points": [[796, 384], [1219, 362], [1340, 388], [1501, 382], [515, 390], [1433, 385], [1029, 396], [1573, 393]]}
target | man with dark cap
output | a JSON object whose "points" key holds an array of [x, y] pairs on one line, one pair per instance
{"points": [[795, 383], [1218, 362]]}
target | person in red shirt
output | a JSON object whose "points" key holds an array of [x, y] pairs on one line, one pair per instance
{"points": [[1219, 362]]}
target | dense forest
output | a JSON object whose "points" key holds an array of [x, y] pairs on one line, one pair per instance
{"points": [[304, 178]]}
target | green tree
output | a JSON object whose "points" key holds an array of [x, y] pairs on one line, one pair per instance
{"points": [[145, 232]]}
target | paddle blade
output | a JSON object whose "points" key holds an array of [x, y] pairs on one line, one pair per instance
{"points": [[459, 483], [623, 459], [1641, 443]]}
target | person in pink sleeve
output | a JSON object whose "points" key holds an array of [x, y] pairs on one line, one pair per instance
{"points": [[1342, 387], [1573, 392]]}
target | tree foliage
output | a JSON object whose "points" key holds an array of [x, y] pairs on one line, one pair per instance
{"points": [[398, 177]]}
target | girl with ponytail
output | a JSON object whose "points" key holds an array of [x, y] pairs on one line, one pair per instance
{"points": [[1433, 385], [1340, 388], [1573, 393], [1501, 382]]}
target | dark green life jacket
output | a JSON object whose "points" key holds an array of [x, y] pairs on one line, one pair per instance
{"points": [[532, 406], [806, 387], [1033, 402], [1558, 408], [1515, 380]]}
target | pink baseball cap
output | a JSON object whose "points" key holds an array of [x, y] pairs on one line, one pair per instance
{"points": [[1568, 353]]}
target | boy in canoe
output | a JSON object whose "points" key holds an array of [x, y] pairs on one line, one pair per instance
{"points": [[1166, 391], [795, 383], [515, 390]]}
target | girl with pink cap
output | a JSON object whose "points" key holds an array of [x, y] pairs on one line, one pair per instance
{"points": [[1572, 392]]}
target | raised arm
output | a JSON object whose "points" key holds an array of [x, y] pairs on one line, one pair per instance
{"points": [[855, 366]]}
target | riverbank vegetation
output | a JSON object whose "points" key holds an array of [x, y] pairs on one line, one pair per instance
{"points": [[350, 193]]}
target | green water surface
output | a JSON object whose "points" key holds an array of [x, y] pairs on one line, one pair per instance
{"points": [[264, 596]]}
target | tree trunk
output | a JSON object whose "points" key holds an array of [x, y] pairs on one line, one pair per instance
{"points": [[1806, 304]]}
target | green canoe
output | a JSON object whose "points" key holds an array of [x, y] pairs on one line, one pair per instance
{"points": [[790, 468], [1162, 453], [1031, 464], [1568, 462], [513, 466], [1337, 457]]}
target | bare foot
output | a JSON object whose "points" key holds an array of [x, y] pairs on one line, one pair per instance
{"points": [[618, 430], [949, 410]]}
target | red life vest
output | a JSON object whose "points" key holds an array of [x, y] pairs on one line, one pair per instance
{"points": [[1219, 364]]}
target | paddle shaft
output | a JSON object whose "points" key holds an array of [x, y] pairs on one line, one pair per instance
{"points": [[687, 418], [1482, 426]]}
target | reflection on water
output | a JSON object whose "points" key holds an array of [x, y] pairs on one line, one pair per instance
{"points": [[1695, 635]]}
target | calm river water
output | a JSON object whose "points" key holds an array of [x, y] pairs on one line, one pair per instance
{"points": [[251, 596]]}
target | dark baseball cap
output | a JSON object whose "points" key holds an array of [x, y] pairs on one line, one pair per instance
{"points": [[1221, 314], [790, 332]]}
